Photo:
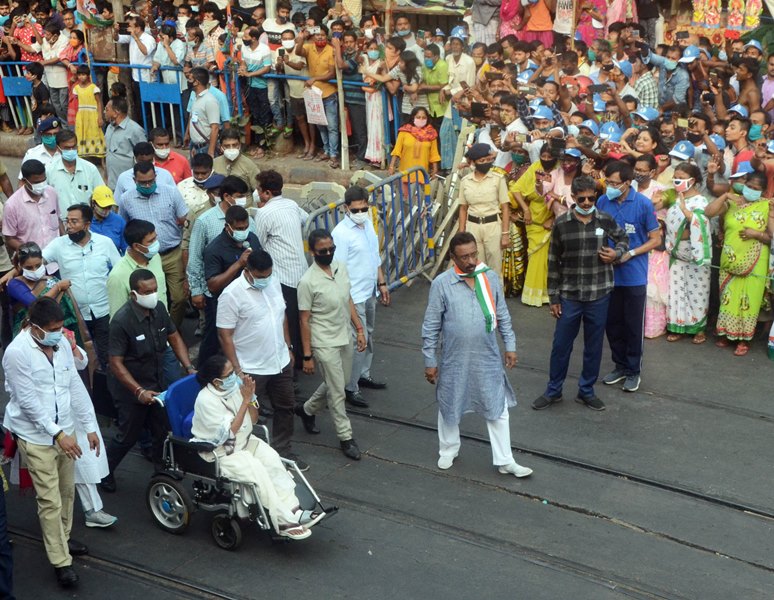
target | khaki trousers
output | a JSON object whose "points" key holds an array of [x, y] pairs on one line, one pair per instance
{"points": [[488, 237], [335, 366], [172, 263], [53, 475]]}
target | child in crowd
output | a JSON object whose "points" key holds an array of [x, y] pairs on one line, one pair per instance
{"points": [[88, 121]]}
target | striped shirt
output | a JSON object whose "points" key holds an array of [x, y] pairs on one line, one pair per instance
{"points": [[279, 226], [206, 228], [164, 208], [575, 271]]}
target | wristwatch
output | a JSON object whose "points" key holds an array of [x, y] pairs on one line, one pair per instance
{"points": [[632, 254], [310, 357]]}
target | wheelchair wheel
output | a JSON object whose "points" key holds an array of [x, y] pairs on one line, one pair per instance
{"points": [[169, 503], [226, 532]]}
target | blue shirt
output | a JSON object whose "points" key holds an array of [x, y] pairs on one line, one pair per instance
{"points": [[87, 268], [636, 216], [164, 208], [358, 248], [125, 180], [111, 226], [225, 111], [672, 85]]}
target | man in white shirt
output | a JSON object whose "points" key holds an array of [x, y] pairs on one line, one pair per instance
{"points": [[47, 402], [142, 46], [253, 333], [47, 150], [54, 41], [357, 247], [279, 223]]}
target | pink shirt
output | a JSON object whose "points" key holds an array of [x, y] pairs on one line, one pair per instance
{"points": [[767, 91], [32, 221]]}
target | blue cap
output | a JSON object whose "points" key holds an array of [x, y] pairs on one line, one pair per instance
{"points": [[578, 36], [543, 112], [610, 132], [647, 113], [625, 66], [440, 32], [754, 44], [690, 54], [721, 143], [459, 33], [743, 169], [590, 125], [599, 104], [683, 150], [46, 124], [213, 181], [574, 152], [535, 103], [740, 110]]}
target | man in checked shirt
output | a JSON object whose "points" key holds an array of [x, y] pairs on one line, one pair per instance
{"points": [[580, 281]]}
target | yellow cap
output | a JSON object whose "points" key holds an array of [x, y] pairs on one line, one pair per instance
{"points": [[103, 196]]}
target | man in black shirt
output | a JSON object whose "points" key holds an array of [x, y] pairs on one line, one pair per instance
{"points": [[224, 258], [580, 281], [139, 333]]}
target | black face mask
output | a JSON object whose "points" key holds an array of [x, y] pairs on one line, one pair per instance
{"points": [[694, 137], [324, 260], [483, 168], [77, 237], [548, 165]]}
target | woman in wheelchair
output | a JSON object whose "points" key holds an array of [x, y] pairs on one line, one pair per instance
{"points": [[224, 414]]}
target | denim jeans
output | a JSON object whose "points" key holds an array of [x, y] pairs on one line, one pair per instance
{"points": [[280, 103], [330, 135], [594, 316]]}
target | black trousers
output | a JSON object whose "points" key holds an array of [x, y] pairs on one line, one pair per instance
{"points": [[6, 553], [6, 327], [100, 335], [210, 343], [260, 111], [625, 327], [278, 390], [290, 295], [359, 140]]}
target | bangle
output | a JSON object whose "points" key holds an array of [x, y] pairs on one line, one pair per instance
{"points": [[140, 393], [504, 233]]}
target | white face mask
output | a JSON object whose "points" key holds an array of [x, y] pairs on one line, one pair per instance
{"points": [[256, 197], [231, 153], [162, 153], [368, 33], [288, 44], [35, 275], [359, 218], [38, 188], [240, 201], [148, 301]]}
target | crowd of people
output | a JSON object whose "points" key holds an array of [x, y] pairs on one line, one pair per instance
{"points": [[624, 182]]}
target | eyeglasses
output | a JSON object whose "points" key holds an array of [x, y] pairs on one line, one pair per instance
{"points": [[73, 221], [580, 199], [325, 251], [355, 211]]}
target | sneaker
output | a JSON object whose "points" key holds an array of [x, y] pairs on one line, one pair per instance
{"points": [[445, 462], [614, 377], [542, 402], [632, 383], [99, 518], [350, 449], [302, 466], [515, 469], [592, 402]]}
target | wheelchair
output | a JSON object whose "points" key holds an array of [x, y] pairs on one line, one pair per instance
{"points": [[187, 483]]}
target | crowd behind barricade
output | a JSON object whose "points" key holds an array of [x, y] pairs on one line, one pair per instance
{"points": [[625, 182]]}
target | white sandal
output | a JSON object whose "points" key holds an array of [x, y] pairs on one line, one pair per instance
{"points": [[295, 532], [309, 518]]}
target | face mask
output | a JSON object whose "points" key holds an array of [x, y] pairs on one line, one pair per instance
{"points": [[756, 133], [694, 137], [70, 3], [50, 338], [239, 236], [723, 55], [519, 159], [195, 8], [548, 165], [359, 218], [641, 178], [4, 20], [669, 140], [49, 141], [420, 123], [37, 188], [670, 65], [101, 212], [373, 54], [369, 34], [230, 383], [77, 237], [240, 201], [479, 60], [737, 55], [288, 44], [404, 33], [70, 155], [569, 167], [429, 63], [201, 182], [750, 194], [682, 185], [324, 261], [231, 154], [146, 190], [592, 56], [75, 43], [256, 197], [320, 43], [148, 301], [35, 275], [612, 192], [153, 250], [260, 284], [162, 154], [737, 187], [586, 211], [483, 168]]}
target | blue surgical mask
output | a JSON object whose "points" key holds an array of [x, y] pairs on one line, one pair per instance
{"points": [[429, 63], [750, 194], [261, 284], [153, 250], [585, 211], [239, 236], [50, 338], [4, 20], [737, 187], [146, 190], [49, 141], [70, 154], [592, 56], [230, 383], [755, 133], [373, 54], [670, 65], [722, 55], [71, 3], [404, 33], [612, 192]]}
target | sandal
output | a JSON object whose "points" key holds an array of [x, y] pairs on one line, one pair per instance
{"points": [[741, 349], [308, 156], [722, 343], [335, 163], [294, 532], [287, 132], [673, 337], [321, 157], [699, 338], [309, 518]]}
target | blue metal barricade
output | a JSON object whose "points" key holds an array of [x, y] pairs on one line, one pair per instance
{"points": [[402, 217], [18, 92]]}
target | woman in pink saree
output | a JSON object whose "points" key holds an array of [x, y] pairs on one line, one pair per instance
{"points": [[621, 10], [511, 17]]}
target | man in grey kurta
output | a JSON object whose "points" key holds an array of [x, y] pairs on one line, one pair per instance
{"points": [[465, 310]]}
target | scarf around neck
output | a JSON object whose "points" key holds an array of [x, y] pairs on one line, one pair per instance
{"points": [[422, 134], [483, 293]]}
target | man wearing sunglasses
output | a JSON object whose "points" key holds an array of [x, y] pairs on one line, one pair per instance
{"points": [[580, 282]]}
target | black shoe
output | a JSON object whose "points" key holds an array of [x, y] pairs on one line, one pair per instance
{"points": [[267, 411], [308, 420], [592, 402], [147, 453], [108, 484], [356, 399], [302, 466], [66, 577], [77, 548], [368, 382], [542, 402], [350, 449]]}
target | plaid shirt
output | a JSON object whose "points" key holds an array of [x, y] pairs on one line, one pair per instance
{"points": [[575, 271], [647, 90]]}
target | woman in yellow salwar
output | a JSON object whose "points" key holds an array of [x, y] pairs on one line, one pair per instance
{"points": [[538, 220], [748, 223], [515, 255]]}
